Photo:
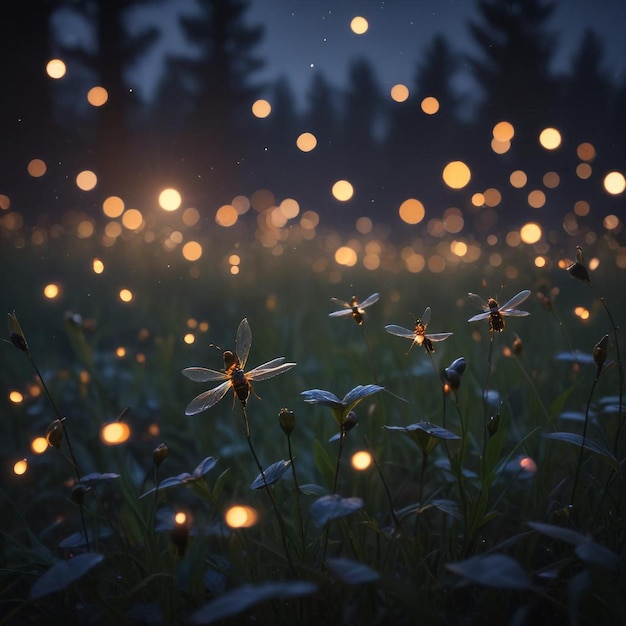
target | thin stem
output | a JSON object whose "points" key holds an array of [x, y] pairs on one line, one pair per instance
{"points": [[370, 354], [298, 498], [421, 494], [485, 401]]}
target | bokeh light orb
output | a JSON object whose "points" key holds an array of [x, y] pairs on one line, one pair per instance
{"points": [[39, 445], [359, 25], [114, 433], [36, 168], [430, 105], [343, 190], [361, 460], [51, 291], [97, 96], [306, 142], [530, 233], [86, 180], [412, 211], [503, 131], [125, 295], [550, 138], [192, 251], [226, 216], [456, 174], [241, 516], [170, 199], [261, 108], [345, 255], [20, 467], [399, 93], [55, 68], [113, 206], [614, 183]]}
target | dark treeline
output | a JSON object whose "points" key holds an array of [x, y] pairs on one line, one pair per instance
{"points": [[197, 133]]}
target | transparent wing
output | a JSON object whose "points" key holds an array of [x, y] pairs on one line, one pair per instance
{"points": [[270, 369], [514, 301], [478, 301], [341, 303], [203, 375], [480, 316], [207, 399], [369, 300], [426, 316], [243, 341], [399, 331], [344, 313], [514, 313], [438, 336]]}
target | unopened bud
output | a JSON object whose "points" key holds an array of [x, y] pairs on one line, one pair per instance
{"points": [[16, 335], [599, 352], [287, 421], [54, 434], [577, 269], [159, 454], [78, 494]]}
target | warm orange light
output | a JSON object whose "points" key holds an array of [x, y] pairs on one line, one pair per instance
{"points": [[20, 467], [132, 219], [189, 338], [361, 460], [430, 105], [261, 108], [500, 147], [343, 190], [518, 179], [359, 25], [456, 174], [97, 266], [36, 168], [180, 518], [39, 445], [306, 142], [582, 313], [611, 222], [55, 68], [530, 233], [192, 251], [226, 215], [412, 211], [399, 93], [97, 96], [586, 152], [51, 291], [113, 207], [550, 138], [584, 171], [114, 433], [528, 465], [170, 200], [86, 180], [503, 131], [536, 199], [614, 183], [458, 248], [346, 256], [241, 516], [16, 397], [125, 295]]}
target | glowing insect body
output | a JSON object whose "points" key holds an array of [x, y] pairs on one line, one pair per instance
{"points": [[418, 335], [354, 308], [495, 313], [233, 375]]}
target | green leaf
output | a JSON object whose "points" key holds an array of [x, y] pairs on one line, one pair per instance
{"points": [[313, 490], [323, 463], [246, 596], [352, 572], [593, 447], [328, 508], [558, 403], [492, 570], [95, 477], [63, 574], [426, 435], [272, 474]]}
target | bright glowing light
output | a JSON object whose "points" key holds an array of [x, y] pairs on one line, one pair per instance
{"points": [[289, 208], [120, 352], [55, 68], [503, 131], [614, 183], [550, 138], [192, 251], [346, 256], [20, 467], [359, 25], [528, 465], [180, 518], [536, 199], [226, 215], [113, 207], [86, 180], [582, 313], [478, 199], [518, 179], [530, 233], [39, 445], [456, 174], [126, 295], [170, 200], [412, 211], [114, 433], [97, 266], [51, 291], [458, 248], [132, 219], [342, 190], [189, 338], [16, 397], [36, 168], [399, 93], [540, 261], [361, 460], [261, 108], [430, 105], [306, 142], [234, 259], [241, 516], [97, 96]]}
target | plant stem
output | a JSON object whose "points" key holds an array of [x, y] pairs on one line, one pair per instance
{"points": [[485, 401], [369, 352], [421, 494], [298, 498]]}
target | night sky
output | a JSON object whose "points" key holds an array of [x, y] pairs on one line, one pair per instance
{"points": [[304, 36]]}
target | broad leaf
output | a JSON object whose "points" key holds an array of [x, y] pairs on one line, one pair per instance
{"points": [[313, 490], [95, 477], [492, 570], [246, 596], [203, 468], [593, 447], [272, 474], [426, 435], [63, 574], [352, 572], [328, 508]]}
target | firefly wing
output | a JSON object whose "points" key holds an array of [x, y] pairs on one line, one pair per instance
{"points": [[438, 336], [243, 341], [480, 316], [270, 369], [343, 313], [203, 375], [207, 399], [399, 331], [509, 306], [342, 303], [369, 300], [479, 302], [426, 316]]}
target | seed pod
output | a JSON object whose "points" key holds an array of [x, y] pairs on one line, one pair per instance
{"points": [[287, 421], [452, 374], [577, 269], [350, 422], [159, 454], [493, 423], [16, 335], [54, 434], [599, 353], [78, 494]]}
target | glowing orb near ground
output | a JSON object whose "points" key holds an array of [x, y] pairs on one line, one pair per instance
{"points": [[227, 216], [20, 467], [359, 25], [503, 131], [125, 295], [240, 516], [412, 211], [261, 108], [180, 517], [192, 251], [399, 93], [55, 68], [346, 256], [115, 433], [16, 397], [97, 96], [170, 200], [306, 142], [456, 174], [530, 233], [51, 291], [550, 138], [430, 105], [39, 445], [614, 183], [361, 460], [86, 180], [343, 190], [113, 206]]}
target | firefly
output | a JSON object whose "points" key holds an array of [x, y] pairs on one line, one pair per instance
{"points": [[354, 308], [418, 335], [495, 313]]}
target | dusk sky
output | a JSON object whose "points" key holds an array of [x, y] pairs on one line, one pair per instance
{"points": [[305, 36]]}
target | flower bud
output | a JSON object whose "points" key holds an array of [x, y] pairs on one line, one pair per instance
{"points": [[78, 494], [599, 353], [577, 269], [287, 421], [159, 454], [16, 335], [54, 434], [452, 374], [350, 422]]}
